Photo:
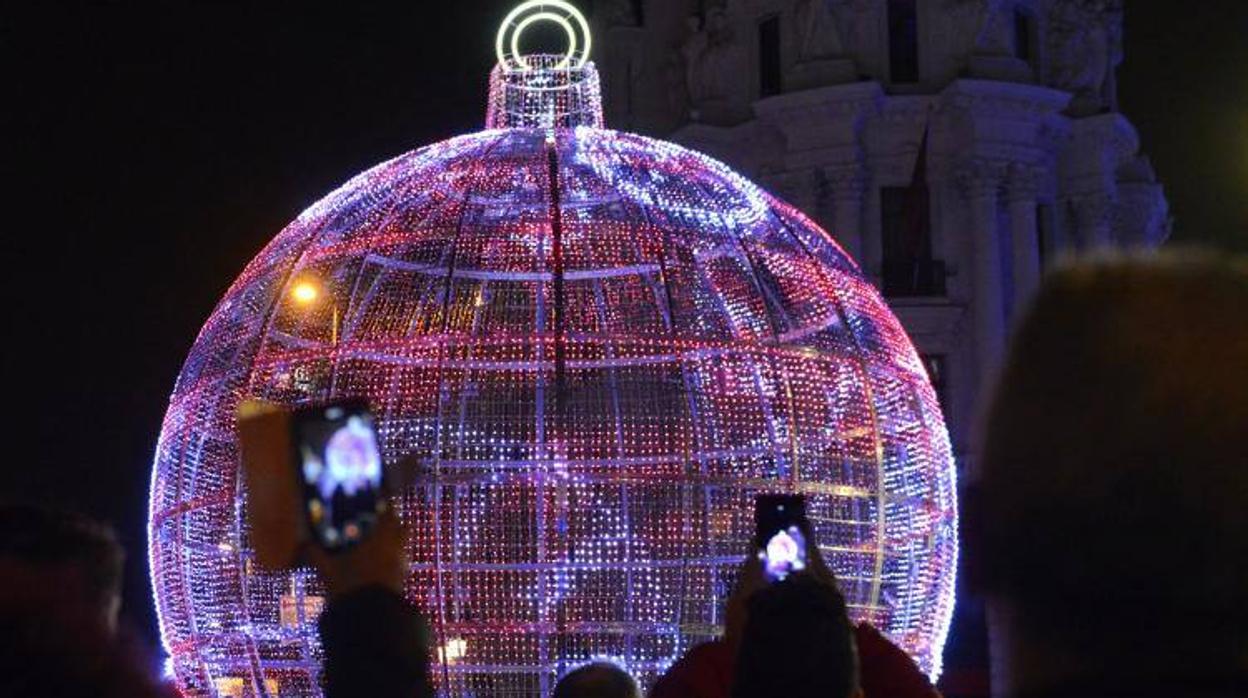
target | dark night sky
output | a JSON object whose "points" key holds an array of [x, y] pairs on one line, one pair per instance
{"points": [[156, 149]]}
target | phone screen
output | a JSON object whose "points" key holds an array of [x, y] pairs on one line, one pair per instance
{"points": [[340, 469], [779, 521]]}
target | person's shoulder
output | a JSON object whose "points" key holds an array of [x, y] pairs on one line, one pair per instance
{"points": [[886, 669], [704, 672], [715, 651]]}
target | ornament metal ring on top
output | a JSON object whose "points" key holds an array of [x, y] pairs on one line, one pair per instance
{"points": [[594, 348], [574, 24]]}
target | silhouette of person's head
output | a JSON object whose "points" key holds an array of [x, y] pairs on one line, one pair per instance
{"points": [[60, 592], [1114, 493], [68, 557], [54, 651], [597, 680], [797, 642]]}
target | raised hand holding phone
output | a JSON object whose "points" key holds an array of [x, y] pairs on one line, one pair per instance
{"points": [[316, 494], [274, 518], [780, 534], [338, 463], [783, 544]]}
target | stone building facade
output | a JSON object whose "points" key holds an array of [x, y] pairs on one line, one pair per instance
{"points": [[954, 147]]}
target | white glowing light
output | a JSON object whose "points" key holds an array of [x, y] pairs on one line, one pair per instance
{"points": [[538, 17], [562, 13], [453, 651]]}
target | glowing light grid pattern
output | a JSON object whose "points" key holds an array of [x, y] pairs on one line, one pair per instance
{"points": [[545, 96], [595, 372]]}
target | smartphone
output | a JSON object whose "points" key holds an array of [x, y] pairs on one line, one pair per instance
{"points": [[339, 468], [779, 521]]}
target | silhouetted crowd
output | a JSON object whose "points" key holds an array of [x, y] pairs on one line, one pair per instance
{"points": [[1107, 533]]}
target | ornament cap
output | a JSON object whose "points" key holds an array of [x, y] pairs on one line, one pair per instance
{"points": [[562, 13], [548, 91]]}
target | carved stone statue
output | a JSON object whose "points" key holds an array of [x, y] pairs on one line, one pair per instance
{"points": [[716, 63], [1084, 45], [692, 52], [853, 17], [674, 74], [818, 35], [984, 27], [996, 37]]}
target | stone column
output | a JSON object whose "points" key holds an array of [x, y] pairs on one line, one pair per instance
{"points": [[1024, 183], [1094, 216], [980, 182], [872, 244], [847, 188]]}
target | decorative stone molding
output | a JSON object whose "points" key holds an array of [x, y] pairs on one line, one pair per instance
{"points": [[845, 183], [832, 102], [1023, 182], [825, 124], [978, 179], [904, 113], [1004, 122], [1053, 134], [1003, 99]]}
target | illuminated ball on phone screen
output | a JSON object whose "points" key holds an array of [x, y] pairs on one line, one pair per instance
{"points": [[592, 349], [785, 553], [351, 458]]}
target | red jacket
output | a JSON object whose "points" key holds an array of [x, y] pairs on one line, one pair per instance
{"points": [[885, 671]]}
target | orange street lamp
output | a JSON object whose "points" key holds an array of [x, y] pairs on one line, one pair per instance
{"points": [[306, 293]]}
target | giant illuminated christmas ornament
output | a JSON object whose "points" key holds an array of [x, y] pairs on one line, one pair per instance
{"points": [[596, 348]]}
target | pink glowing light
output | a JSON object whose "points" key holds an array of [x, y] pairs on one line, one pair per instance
{"points": [[597, 348]]}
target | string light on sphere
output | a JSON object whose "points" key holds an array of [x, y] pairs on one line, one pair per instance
{"points": [[595, 348]]}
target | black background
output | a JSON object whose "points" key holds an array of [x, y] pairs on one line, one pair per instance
{"points": [[150, 151]]}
